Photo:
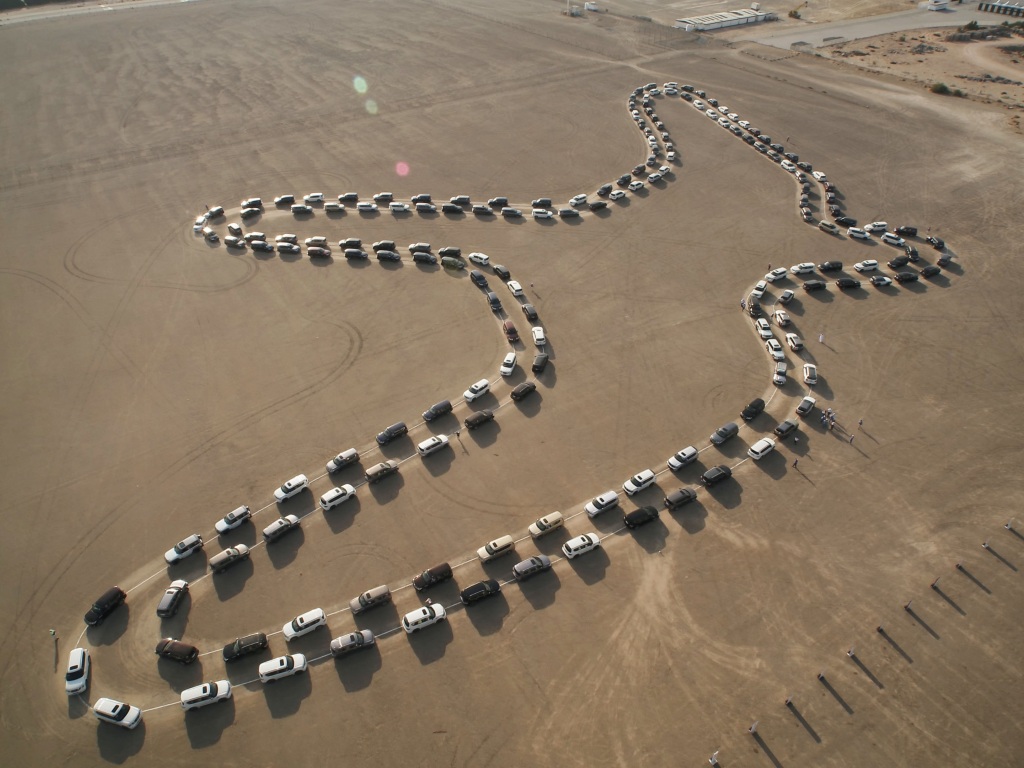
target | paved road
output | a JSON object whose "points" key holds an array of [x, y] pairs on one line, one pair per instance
{"points": [[818, 35]]}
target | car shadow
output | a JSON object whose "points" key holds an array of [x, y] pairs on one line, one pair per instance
{"points": [[572, 221], [283, 552], [729, 494], [915, 287], [387, 490], [774, 464], [232, 581], [284, 697], [189, 569], [430, 644], [540, 590], [733, 448], [488, 617], [531, 406], [117, 745], [546, 222], [486, 434], [78, 707], [341, 518], [244, 534], [179, 676], [650, 537], [549, 376], [357, 670], [379, 619], [855, 293], [263, 255], [391, 266], [439, 463], [205, 727], [591, 567], [291, 258], [314, 645], [822, 297], [939, 281], [691, 516], [398, 449], [110, 631]]}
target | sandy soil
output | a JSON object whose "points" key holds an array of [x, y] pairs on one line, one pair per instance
{"points": [[987, 70], [152, 383]]}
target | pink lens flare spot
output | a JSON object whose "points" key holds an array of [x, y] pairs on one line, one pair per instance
{"points": [[402, 168]]}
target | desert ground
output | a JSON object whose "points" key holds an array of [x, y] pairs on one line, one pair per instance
{"points": [[153, 382]]}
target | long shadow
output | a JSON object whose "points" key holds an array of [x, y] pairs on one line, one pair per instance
{"points": [[205, 727], [896, 646], [341, 518], [651, 536], [387, 490], [116, 744], [284, 697], [356, 672], [835, 694], [924, 625], [489, 616], [115, 625], [963, 569], [1014, 531], [863, 668], [232, 581], [691, 517], [591, 567], [1000, 558], [768, 753], [948, 599], [485, 435], [283, 552], [540, 590], [430, 644], [803, 721]]}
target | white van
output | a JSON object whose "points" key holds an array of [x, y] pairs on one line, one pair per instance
{"points": [[761, 448]]}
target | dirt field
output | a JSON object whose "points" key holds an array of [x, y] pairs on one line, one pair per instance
{"points": [[152, 383]]}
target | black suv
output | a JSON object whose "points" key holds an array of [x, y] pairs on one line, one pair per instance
{"points": [[815, 285], [907, 230], [847, 282], [716, 475], [432, 576], [479, 591], [479, 418], [830, 266], [754, 407], [501, 272], [530, 311], [604, 190], [498, 202], [639, 517], [104, 606], [244, 646], [786, 428], [898, 261], [540, 362], [393, 432], [422, 257], [522, 391], [175, 650], [437, 410]]}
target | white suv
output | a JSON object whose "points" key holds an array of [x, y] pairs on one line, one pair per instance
{"points": [[282, 666], [638, 482], [336, 496], [604, 502], [296, 485], [313, 197], [117, 713], [581, 545], [207, 693], [305, 623], [423, 617], [479, 389]]}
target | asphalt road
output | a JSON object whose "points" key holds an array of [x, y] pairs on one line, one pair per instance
{"points": [[818, 35]]}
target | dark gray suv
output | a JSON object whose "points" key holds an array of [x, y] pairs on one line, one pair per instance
{"points": [[393, 432]]}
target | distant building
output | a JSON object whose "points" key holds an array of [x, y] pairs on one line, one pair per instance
{"points": [[724, 19]]}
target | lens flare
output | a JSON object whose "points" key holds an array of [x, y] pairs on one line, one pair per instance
{"points": [[371, 106], [359, 83], [402, 168]]}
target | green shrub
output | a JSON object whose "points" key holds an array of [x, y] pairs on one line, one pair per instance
{"points": [[941, 89]]}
